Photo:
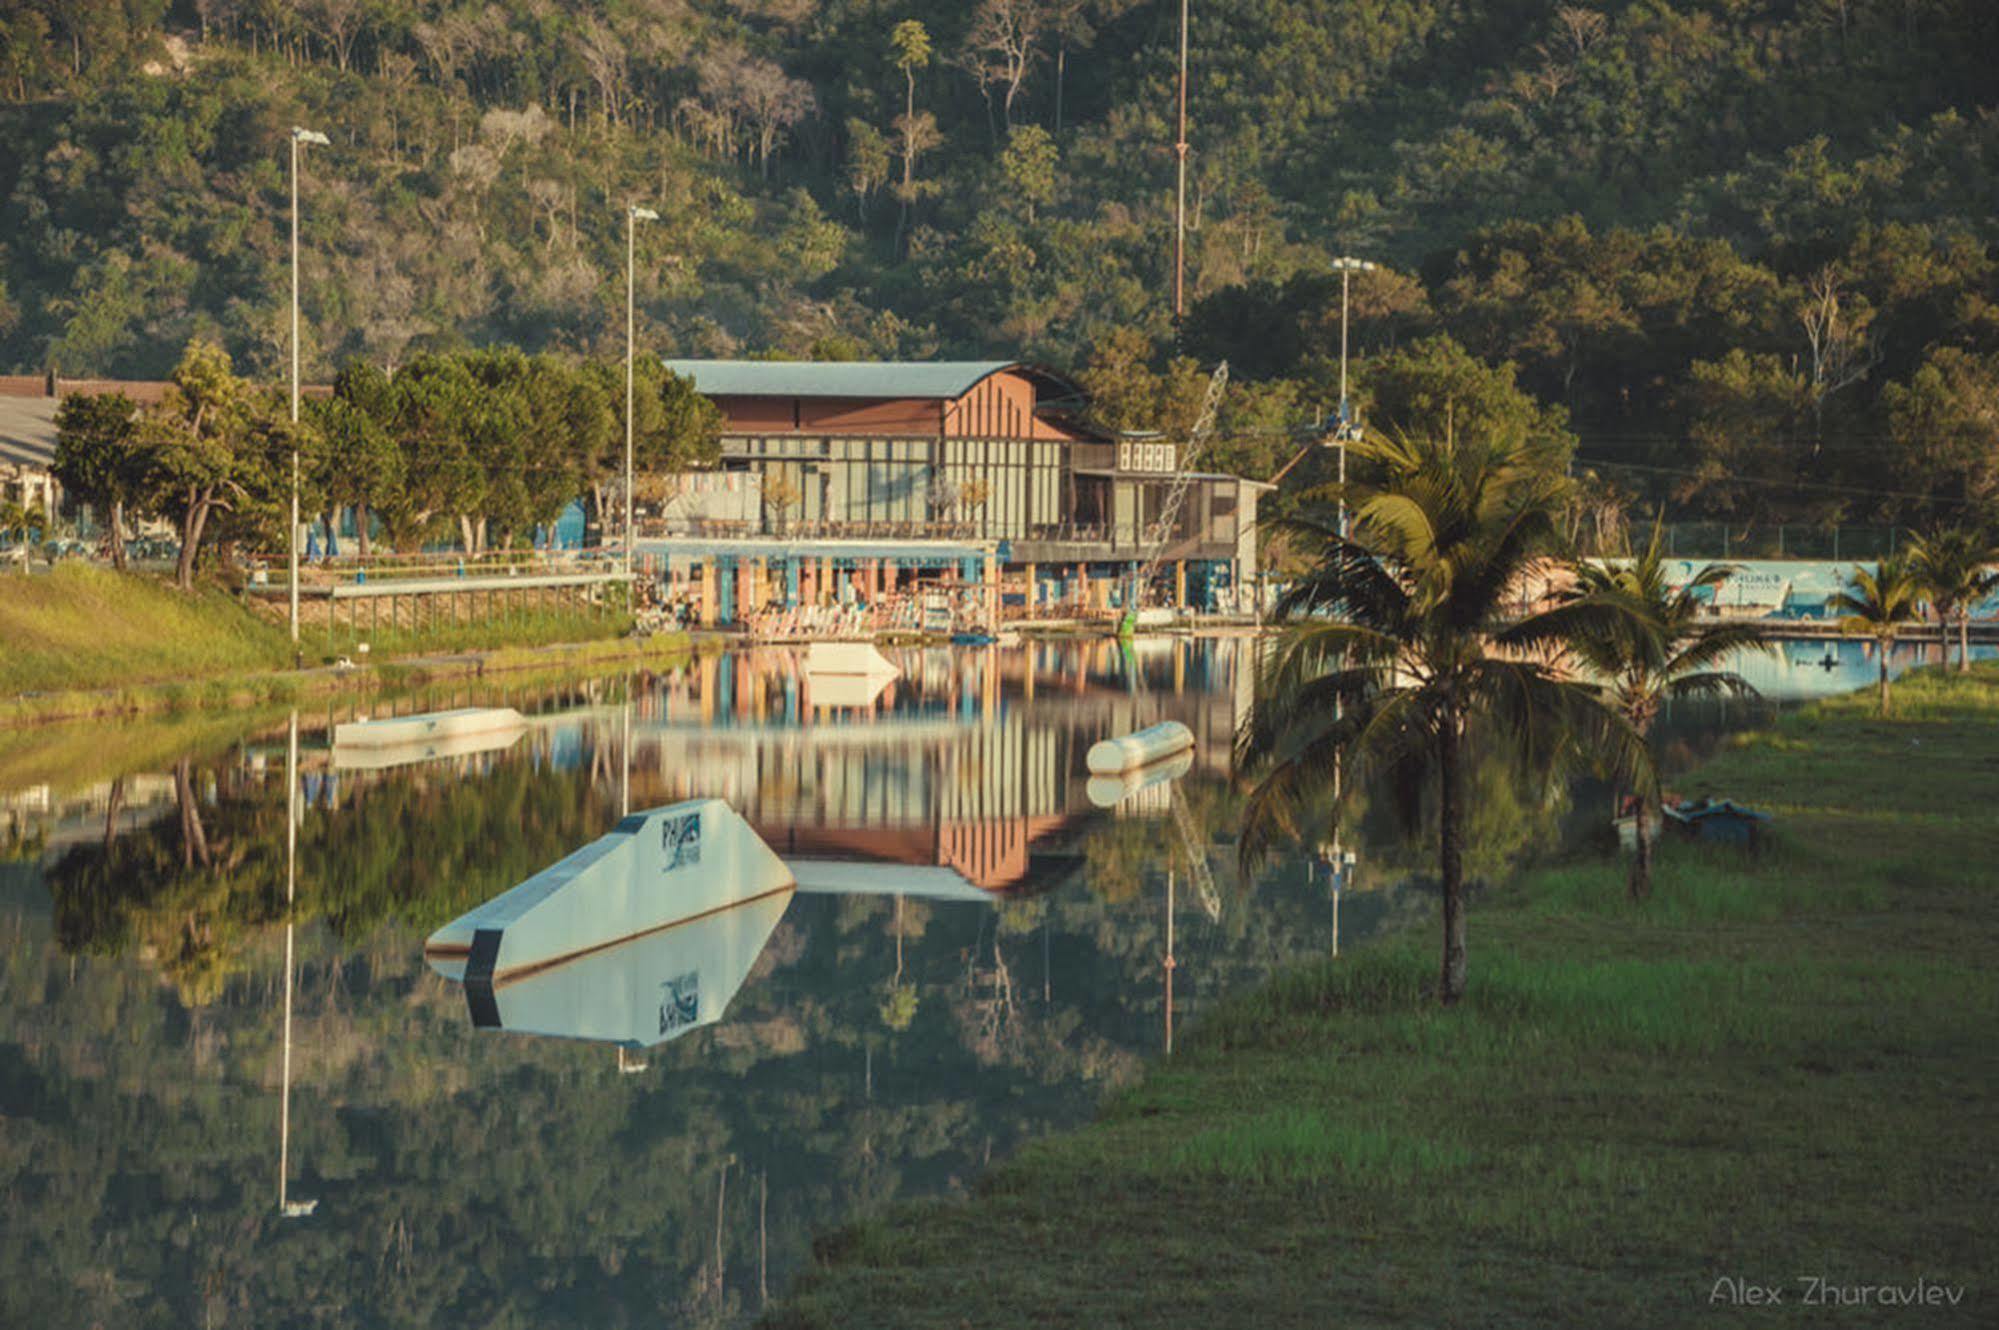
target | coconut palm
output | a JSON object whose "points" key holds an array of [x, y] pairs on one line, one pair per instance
{"points": [[1403, 659], [1879, 605], [1955, 567], [1654, 648]]}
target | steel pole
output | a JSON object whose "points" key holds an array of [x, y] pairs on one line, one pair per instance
{"points": [[291, 542], [1180, 184], [631, 224]]}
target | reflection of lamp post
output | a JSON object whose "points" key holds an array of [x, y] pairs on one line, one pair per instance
{"points": [[1339, 864], [1168, 964], [287, 1207], [298, 136]]}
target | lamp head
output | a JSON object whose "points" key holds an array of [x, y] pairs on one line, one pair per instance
{"points": [[310, 136], [643, 214]]}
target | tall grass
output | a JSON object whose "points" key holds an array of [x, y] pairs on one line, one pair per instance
{"points": [[85, 627]]}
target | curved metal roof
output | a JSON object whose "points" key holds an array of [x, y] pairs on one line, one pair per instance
{"points": [[934, 379]]}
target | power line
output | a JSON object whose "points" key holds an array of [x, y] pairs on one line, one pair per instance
{"points": [[1862, 491]]}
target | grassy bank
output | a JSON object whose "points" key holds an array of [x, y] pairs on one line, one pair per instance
{"points": [[84, 641], [1780, 1067], [85, 627]]}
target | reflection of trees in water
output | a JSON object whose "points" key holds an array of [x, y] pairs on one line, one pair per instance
{"points": [[511, 1180], [190, 891]]}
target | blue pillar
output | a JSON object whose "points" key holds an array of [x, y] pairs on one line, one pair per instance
{"points": [[791, 582]]}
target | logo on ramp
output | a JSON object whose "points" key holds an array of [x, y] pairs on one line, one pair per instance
{"points": [[680, 840]]}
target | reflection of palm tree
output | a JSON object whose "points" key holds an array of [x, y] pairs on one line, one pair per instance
{"points": [[1407, 648]]}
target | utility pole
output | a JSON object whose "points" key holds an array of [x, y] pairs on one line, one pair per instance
{"points": [[291, 544], [1347, 428], [1180, 188], [633, 216]]}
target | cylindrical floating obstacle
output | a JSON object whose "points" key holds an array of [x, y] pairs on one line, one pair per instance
{"points": [[1110, 791], [1108, 757]]}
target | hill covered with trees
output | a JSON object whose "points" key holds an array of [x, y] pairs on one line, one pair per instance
{"points": [[1744, 248]]}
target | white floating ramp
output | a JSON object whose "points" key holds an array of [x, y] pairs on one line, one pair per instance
{"points": [[668, 866], [1154, 743]]}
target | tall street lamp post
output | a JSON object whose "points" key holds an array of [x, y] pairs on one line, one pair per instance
{"points": [[1347, 429], [299, 136], [633, 216]]}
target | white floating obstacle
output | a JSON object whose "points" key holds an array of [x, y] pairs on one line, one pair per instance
{"points": [[1110, 791], [430, 727], [647, 932], [848, 658], [659, 868], [1154, 743]]}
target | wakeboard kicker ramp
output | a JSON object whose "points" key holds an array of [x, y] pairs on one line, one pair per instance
{"points": [[648, 931]]}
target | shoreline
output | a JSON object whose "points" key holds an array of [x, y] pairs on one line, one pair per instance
{"points": [[235, 690]]}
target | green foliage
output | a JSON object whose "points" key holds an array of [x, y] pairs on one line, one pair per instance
{"points": [[1637, 206]]}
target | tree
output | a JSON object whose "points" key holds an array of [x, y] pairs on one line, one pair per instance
{"points": [[867, 163], [361, 466], [910, 50], [1955, 568], [1001, 47], [1028, 168], [1644, 643], [780, 495], [191, 441], [1434, 383], [98, 459], [1945, 424], [1401, 662], [1879, 605]]}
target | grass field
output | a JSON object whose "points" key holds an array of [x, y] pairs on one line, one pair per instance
{"points": [[1780, 1068], [86, 641], [87, 627]]}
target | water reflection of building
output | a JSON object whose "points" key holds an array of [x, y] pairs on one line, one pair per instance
{"points": [[971, 760]]}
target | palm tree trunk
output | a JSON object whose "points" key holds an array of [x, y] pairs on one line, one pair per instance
{"points": [[1884, 676], [1964, 642], [1450, 859], [1641, 859]]}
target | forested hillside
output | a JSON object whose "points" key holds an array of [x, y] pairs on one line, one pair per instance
{"points": [[1743, 244]]}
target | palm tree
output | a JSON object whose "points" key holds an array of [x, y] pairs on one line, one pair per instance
{"points": [[1879, 605], [1955, 568], [1657, 649], [1401, 661]]}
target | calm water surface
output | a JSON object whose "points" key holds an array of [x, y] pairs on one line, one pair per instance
{"points": [[869, 1047]]}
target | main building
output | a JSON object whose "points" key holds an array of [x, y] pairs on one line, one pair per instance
{"points": [[949, 465]]}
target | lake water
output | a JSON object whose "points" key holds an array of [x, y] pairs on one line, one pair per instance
{"points": [[870, 1048]]}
